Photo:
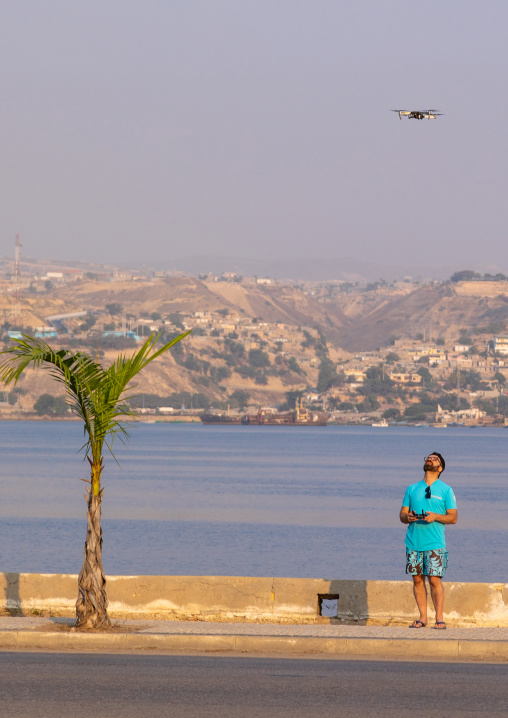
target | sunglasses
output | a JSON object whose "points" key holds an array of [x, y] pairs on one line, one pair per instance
{"points": [[427, 493]]}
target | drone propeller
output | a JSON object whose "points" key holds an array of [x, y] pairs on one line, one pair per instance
{"points": [[406, 113]]}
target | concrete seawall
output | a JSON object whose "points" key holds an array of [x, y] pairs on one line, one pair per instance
{"points": [[270, 600]]}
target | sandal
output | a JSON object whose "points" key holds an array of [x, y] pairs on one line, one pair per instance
{"points": [[418, 624], [440, 626]]}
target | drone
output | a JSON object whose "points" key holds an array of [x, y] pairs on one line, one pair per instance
{"points": [[419, 114]]}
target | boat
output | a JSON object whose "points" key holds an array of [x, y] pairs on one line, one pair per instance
{"points": [[382, 423], [211, 418], [266, 417], [298, 417]]}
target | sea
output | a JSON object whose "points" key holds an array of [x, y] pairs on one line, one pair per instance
{"points": [[180, 499]]}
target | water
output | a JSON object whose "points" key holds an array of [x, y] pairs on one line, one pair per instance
{"points": [[258, 501]]}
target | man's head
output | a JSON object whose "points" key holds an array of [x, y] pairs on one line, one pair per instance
{"points": [[434, 462]]}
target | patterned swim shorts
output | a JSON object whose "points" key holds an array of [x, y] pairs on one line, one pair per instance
{"points": [[427, 563]]}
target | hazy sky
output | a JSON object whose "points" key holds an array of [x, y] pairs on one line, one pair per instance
{"points": [[141, 131]]}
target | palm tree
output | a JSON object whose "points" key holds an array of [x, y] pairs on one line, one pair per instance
{"points": [[97, 396]]}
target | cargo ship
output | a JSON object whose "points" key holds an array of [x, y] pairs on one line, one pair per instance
{"points": [[209, 418], [266, 417]]}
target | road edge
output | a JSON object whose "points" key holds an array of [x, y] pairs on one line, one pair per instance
{"points": [[390, 649]]}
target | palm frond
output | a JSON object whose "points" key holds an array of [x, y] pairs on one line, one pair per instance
{"points": [[112, 413], [95, 394]]}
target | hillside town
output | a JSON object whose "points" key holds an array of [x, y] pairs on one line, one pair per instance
{"points": [[440, 354]]}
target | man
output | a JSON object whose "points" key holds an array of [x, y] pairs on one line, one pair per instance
{"points": [[427, 507]]}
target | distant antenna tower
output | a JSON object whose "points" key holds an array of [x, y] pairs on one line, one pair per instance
{"points": [[17, 257]]}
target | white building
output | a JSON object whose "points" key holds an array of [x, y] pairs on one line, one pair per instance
{"points": [[501, 345]]}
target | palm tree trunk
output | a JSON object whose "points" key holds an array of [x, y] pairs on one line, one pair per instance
{"points": [[92, 603]]}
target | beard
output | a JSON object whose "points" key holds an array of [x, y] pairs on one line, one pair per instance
{"points": [[431, 466]]}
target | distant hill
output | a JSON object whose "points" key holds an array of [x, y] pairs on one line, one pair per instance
{"points": [[316, 269], [284, 319], [309, 269], [355, 320]]}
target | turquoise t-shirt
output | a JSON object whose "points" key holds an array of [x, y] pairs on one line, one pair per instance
{"points": [[420, 535]]}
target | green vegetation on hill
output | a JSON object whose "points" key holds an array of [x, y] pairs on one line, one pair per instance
{"points": [[51, 405]]}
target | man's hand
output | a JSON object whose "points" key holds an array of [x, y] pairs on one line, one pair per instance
{"points": [[450, 517], [411, 518]]}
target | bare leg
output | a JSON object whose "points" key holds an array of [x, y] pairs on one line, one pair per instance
{"points": [[420, 594], [437, 594]]}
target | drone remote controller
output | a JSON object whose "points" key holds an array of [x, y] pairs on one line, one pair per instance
{"points": [[420, 516]]}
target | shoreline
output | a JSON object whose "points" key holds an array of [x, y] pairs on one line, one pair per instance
{"points": [[194, 419], [138, 419]]}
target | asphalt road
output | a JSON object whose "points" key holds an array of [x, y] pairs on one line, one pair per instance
{"points": [[43, 685]]}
